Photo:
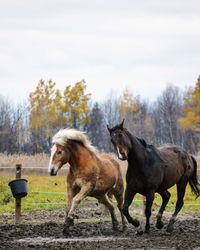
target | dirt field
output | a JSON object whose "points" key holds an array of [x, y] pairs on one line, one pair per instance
{"points": [[93, 230]]}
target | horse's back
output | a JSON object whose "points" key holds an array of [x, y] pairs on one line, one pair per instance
{"points": [[109, 165], [176, 157], [108, 159], [110, 169]]}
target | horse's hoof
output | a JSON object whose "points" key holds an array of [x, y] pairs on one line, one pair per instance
{"points": [[69, 222], [115, 226], [116, 229], [139, 232], [170, 228], [159, 224], [124, 228], [135, 223]]}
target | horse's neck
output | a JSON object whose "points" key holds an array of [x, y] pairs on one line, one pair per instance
{"points": [[138, 152], [79, 158]]}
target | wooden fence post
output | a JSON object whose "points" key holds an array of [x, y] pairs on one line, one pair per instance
{"points": [[18, 200]]}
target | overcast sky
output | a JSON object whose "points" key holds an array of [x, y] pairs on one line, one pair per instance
{"points": [[141, 45]]}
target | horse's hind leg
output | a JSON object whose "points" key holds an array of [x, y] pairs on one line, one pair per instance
{"points": [[106, 201], [165, 198], [119, 198], [181, 185], [103, 208]]}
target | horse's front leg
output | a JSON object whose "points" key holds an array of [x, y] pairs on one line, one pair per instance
{"points": [[70, 195], [85, 190], [149, 202], [129, 195]]}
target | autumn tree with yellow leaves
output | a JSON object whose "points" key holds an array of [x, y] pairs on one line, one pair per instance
{"points": [[42, 107], [191, 110], [50, 110], [127, 106], [76, 105]]}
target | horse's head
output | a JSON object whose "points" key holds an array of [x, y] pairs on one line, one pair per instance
{"points": [[120, 140], [59, 157]]}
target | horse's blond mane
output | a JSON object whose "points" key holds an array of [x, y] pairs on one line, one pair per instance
{"points": [[63, 135]]}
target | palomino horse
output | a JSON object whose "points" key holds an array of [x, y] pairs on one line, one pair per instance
{"points": [[90, 173], [153, 170]]}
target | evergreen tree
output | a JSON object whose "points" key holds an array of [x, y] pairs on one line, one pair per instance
{"points": [[97, 128]]}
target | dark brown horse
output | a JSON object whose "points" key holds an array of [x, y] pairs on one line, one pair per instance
{"points": [[153, 170], [90, 173]]}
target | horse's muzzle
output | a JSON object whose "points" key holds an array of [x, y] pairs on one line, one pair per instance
{"points": [[53, 172], [123, 157], [121, 154]]}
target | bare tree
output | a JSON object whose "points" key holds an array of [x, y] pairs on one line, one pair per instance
{"points": [[110, 109], [5, 125], [13, 126], [166, 114]]}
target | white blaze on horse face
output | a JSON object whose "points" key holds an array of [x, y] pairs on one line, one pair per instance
{"points": [[119, 154], [53, 150]]}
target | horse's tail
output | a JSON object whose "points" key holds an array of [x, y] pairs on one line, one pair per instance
{"points": [[193, 180]]}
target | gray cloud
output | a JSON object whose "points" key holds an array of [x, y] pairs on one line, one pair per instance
{"points": [[111, 44]]}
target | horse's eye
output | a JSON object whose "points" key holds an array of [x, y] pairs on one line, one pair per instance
{"points": [[114, 134]]}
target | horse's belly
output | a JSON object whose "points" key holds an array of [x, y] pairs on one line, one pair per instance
{"points": [[97, 193], [171, 177], [103, 185]]}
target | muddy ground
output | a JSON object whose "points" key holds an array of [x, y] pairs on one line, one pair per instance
{"points": [[93, 230]]}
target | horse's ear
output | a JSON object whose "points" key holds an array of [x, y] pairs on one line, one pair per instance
{"points": [[122, 124], [109, 129]]}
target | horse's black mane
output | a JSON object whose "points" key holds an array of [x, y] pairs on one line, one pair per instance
{"points": [[147, 146], [141, 140]]}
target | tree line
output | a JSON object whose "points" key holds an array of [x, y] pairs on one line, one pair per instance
{"points": [[28, 127]]}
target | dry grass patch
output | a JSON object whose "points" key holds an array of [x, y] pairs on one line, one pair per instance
{"points": [[31, 164], [38, 160]]}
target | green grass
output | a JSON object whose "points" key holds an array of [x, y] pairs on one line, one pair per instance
{"points": [[41, 195], [190, 203]]}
